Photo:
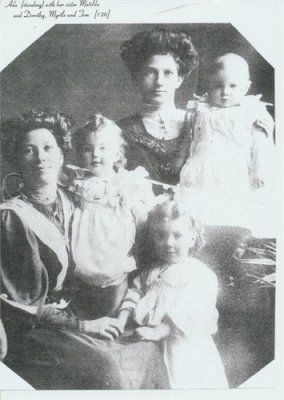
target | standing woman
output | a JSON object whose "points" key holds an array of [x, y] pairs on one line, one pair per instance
{"points": [[159, 136], [48, 345]]}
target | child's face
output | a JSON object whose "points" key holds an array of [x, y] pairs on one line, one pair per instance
{"points": [[228, 87], [99, 153], [173, 239]]}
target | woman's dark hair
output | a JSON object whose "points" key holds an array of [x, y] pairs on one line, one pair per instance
{"points": [[13, 131], [137, 50]]}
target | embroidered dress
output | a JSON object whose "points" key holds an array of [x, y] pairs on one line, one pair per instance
{"points": [[186, 294], [105, 224], [233, 148], [162, 159], [45, 345]]}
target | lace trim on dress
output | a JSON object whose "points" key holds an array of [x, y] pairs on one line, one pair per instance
{"points": [[139, 135]]}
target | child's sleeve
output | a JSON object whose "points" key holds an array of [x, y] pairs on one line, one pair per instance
{"points": [[133, 295], [140, 194], [194, 310], [262, 166], [265, 123]]}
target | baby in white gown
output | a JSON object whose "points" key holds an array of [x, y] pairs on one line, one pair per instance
{"points": [[173, 299], [233, 147], [112, 206]]}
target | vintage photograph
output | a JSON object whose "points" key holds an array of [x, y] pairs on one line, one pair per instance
{"points": [[138, 216]]}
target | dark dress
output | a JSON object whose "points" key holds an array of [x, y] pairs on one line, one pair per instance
{"points": [[163, 159], [45, 344]]}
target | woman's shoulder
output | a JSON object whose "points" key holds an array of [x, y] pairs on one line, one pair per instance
{"points": [[128, 122], [10, 212], [12, 204], [133, 130]]}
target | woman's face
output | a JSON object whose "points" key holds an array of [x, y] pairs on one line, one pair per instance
{"points": [[40, 158], [158, 79], [99, 152]]}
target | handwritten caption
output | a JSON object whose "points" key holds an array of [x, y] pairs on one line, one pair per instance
{"points": [[58, 9]]}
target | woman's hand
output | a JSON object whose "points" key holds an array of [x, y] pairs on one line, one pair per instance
{"points": [[104, 328]]}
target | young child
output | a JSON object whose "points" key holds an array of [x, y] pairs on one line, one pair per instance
{"points": [[112, 205], [233, 148], [174, 300]]}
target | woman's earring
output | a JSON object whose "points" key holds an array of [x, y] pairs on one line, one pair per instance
{"points": [[10, 189]]}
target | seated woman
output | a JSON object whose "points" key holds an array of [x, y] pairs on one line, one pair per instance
{"points": [[159, 136], [48, 345]]}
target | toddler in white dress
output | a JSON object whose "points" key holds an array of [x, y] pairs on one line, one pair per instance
{"points": [[112, 206], [233, 147], [173, 299]]}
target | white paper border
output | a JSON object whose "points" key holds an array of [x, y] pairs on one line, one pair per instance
{"points": [[260, 22]]}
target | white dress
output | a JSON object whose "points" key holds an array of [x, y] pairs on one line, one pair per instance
{"points": [[186, 293], [232, 148], [105, 224]]}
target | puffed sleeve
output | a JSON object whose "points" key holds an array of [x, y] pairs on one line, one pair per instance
{"points": [[24, 278], [139, 193], [28, 274], [263, 155], [265, 123], [194, 309]]}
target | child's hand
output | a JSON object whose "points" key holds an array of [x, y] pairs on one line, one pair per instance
{"points": [[147, 333], [154, 333], [104, 328]]}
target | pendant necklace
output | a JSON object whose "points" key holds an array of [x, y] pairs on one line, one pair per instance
{"points": [[163, 128]]}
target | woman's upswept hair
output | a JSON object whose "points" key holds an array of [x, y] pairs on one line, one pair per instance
{"points": [[13, 130], [137, 50], [96, 123], [168, 210]]}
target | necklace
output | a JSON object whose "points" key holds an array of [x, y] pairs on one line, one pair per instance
{"points": [[163, 128], [44, 199]]}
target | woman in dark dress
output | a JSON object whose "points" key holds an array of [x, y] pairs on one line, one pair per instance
{"points": [[48, 345], [159, 136]]}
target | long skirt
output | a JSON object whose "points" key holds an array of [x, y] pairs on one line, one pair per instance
{"points": [[51, 358]]}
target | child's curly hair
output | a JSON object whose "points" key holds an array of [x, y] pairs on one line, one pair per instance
{"points": [[168, 210], [96, 123], [13, 131], [137, 50]]}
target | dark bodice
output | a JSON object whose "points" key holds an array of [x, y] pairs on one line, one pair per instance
{"points": [[163, 159]]}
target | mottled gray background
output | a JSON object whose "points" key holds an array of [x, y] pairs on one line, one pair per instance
{"points": [[77, 69]]}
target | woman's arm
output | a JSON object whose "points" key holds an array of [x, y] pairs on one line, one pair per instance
{"points": [[26, 283], [3, 342], [24, 278], [104, 328]]}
